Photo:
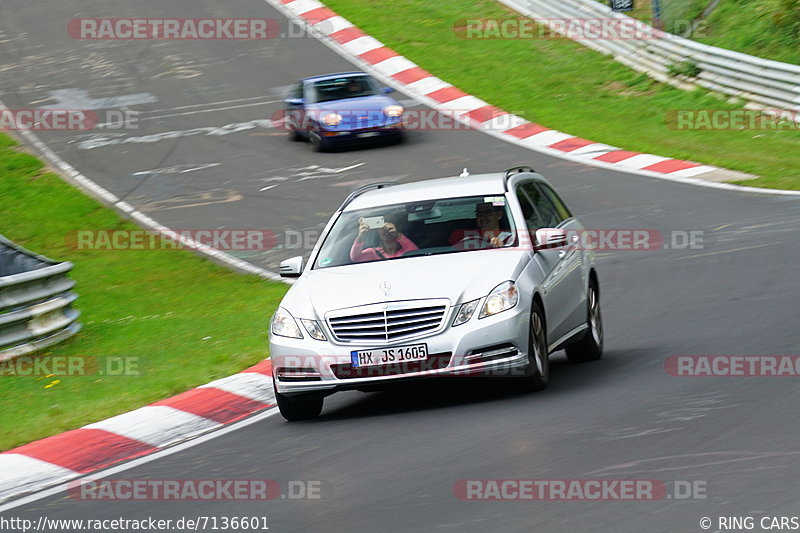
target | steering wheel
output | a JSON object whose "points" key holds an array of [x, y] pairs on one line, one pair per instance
{"points": [[478, 241]]}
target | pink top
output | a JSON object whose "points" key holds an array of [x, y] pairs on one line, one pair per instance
{"points": [[359, 255]]}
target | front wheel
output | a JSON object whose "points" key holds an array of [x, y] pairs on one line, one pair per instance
{"points": [[299, 407], [317, 142], [294, 135], [590, 347], [538, 356]]}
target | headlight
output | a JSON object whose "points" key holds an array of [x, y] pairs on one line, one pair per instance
{"points": [[465, 312], [313, 329], [502, 298], [332, 119], [393, 110], [284, 325]]}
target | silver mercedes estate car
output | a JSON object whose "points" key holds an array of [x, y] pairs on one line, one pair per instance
{"points": [[477, 275]]}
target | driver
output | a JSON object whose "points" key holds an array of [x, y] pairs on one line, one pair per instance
{"points": [[487, 218], [489, 234], [393, 242], [354, 88]]}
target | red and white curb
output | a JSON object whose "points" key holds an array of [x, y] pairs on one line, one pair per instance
{"points": [[165, 423], [395, 70]]}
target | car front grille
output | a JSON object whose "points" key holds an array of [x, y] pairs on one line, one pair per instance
{"points": [[388, 322]]}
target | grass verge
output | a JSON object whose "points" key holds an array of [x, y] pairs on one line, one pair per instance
{"points": [[184, 320], [565, 86]]}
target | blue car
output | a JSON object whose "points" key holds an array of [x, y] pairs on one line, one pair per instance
{"points": [[341, 108]]}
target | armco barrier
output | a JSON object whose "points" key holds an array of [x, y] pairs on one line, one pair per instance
{"points": [[761, 82], [35, 301]]}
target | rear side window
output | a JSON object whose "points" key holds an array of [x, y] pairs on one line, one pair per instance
{"points": [[532, 220], [548, 216], [561, 208]]}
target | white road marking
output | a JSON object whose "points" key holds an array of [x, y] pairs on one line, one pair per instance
{"points": [[220, 102], [311, 172], [265, 102], [177, 169], [80, 99], [99, 141]]}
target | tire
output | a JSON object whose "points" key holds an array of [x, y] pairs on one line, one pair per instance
{"points": [[294, 135], [318, 144], [538, 356], [300, 407], [590, 347]]}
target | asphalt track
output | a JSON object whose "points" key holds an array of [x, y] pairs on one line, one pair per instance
{"points": [[389, 461]]}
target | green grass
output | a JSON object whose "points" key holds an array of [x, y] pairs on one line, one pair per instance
{"points": [[764, 28], [565, 86], [187, 319]]}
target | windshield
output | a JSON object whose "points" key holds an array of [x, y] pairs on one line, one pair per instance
{"points": [[432, 227], [342, 89]]}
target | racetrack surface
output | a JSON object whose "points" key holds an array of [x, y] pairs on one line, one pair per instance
{"points": [[389, 461]]}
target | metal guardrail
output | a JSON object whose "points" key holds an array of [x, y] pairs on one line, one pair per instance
{"points": [[761, 82], [35, 301]]}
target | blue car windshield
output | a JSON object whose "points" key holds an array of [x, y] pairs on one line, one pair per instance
{"points": [[447, 225], [342, 89]]}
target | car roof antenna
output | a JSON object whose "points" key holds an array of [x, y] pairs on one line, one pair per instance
{"points": [[464, 174]]}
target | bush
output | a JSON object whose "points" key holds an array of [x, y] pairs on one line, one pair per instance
{"points": [[688, 68]]}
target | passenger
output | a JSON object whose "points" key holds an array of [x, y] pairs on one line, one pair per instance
{"points": [[393, 243]]}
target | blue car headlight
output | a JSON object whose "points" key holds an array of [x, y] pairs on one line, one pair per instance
{"points": [[331, 119], [393, 111]]}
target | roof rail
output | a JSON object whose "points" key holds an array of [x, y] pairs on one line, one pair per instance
{"points": [[515, 170], [361, 190]]}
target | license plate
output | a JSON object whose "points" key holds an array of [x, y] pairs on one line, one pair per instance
{"points": [[388, 356], [368, 134]]}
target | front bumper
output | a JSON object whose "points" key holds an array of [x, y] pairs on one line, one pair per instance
{"points": [[452, 352], [360, 135]]}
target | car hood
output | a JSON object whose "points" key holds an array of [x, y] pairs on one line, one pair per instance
{"points": [[459, 277]]}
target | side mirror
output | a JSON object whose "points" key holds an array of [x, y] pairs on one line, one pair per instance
{"points": [[387, 90], [547, 238], [294, 101], [292, 268]]}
